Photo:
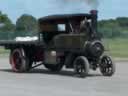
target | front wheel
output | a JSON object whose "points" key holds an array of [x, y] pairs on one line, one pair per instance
{"points": [[19, 61], [81, 66], [107, 66]]}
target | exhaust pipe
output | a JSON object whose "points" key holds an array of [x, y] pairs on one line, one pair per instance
{"points": [[94, 15]]}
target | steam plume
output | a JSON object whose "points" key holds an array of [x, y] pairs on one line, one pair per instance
{"points": [[91, 3]]}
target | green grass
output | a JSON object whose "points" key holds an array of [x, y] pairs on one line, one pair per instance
{"points": [[3, 51], [117, 47]]}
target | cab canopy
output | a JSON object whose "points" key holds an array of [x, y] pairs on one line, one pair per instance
{"points": [[56, 22], [63, 18]]}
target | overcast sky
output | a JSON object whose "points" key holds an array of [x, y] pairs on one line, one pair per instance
{"points": [[38, 8]]}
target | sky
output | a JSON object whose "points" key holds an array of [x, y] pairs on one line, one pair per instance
{"points": [[39, 8]]}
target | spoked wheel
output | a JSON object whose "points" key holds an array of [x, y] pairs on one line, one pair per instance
{"points": [[107, 66], [19, 61], [81, 66], [53, 67]]}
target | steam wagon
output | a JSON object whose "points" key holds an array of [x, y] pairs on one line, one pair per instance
{"points": [[69, 40]]}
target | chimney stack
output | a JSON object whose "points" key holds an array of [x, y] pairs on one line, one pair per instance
{"points": [[94, 16]]}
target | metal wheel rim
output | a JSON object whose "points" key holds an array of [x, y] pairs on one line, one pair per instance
{"points": [[17, 60], [80, 67], [106, 65]]}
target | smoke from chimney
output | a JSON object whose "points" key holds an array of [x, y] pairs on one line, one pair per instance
{"points": [[93, 4]]}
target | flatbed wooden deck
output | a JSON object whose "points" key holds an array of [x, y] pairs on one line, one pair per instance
{"points": [[12, 43]]}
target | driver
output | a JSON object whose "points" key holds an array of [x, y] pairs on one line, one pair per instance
{"points": [[84, 26]]}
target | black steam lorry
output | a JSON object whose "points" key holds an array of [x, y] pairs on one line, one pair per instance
{"points": [[69, 40]]}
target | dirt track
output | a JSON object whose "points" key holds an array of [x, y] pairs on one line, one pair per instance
{"points": [[40, 82]]}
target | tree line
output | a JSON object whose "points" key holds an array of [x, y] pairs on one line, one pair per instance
{"points": [[28, 25], [114, 28]]}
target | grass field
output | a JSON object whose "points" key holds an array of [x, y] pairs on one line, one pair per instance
{"points": [[115, 47], [3, 52]]}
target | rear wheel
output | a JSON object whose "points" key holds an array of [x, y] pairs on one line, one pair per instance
{"points": [[19, 61], [54, 67], [107, 66], [81, 66]]}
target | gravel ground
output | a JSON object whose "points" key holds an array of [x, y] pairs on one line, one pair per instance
{"points": [[40, 82]]}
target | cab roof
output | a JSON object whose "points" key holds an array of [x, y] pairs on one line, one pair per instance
{"points": [[63, 18]]}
